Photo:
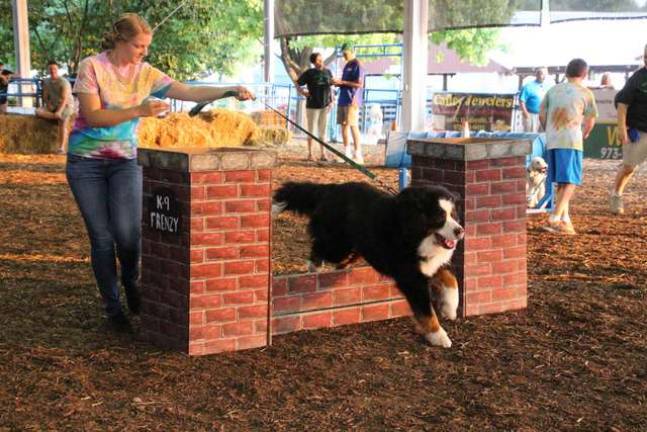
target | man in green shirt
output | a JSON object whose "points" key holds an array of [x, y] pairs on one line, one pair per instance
{"points": [[58, 103]]}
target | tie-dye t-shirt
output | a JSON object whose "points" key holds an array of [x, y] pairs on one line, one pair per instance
{"points": [[97, 75], [566, 106]]}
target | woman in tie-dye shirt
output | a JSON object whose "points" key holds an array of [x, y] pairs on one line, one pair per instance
{"points": [[113, 89]]}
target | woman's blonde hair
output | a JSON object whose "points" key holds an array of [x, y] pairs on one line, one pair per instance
{"points": [[124, 29]]}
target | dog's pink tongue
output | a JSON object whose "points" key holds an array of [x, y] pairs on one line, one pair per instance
{"points": [[449, 244]]}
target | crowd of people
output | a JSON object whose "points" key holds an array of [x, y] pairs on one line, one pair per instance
{"points": [[567, 113]]}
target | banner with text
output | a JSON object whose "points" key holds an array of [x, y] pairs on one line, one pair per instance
{"points": [[483, 111]]}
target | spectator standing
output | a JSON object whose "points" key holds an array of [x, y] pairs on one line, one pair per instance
{"points": [[318, 80], [605, 81], [568, 114], [349, 103], [631, 105], [530, 100]]}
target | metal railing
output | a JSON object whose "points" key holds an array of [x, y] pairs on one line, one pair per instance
{"points": [[30, 88], [282, 97]]}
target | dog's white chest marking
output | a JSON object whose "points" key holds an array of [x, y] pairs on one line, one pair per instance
{"points": [[434, 255]]}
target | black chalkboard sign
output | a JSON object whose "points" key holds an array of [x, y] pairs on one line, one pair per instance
{"points": [[164, 212]]}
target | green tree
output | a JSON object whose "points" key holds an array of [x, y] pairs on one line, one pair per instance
{"points": [[384, 16], [202, 36]]}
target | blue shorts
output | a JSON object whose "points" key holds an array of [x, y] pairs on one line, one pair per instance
{"points": [[565, 166]]}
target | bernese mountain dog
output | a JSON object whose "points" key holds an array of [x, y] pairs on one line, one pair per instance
{"points": [[409, 237]]}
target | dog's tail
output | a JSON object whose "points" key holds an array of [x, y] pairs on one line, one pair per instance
{"points": [[299, 197]]}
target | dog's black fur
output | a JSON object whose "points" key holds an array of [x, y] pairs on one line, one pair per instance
{"points": [[355, 218]]}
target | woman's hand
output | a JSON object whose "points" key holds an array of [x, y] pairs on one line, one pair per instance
{"points": [[153, 108], [244, 94]]}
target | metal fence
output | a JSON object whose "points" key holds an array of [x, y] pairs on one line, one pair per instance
{"points": [[282, 97]]}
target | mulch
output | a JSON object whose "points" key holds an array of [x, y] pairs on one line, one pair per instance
{"points": [[575, 360]]}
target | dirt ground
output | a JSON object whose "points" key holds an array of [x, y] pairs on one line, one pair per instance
{"points": [[575, 360]]}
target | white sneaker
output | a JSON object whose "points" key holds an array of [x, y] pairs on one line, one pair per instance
{"points": [[348, 152], [615, 204], [359, 159]]}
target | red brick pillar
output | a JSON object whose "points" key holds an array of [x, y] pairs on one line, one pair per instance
{"points": [[206, 249], [488, 175]]}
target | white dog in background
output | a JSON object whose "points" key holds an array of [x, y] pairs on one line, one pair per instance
{"points": [[536, 181]]}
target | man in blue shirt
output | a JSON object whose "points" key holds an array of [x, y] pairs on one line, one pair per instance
{"points": [[530, 101], [349, 102]]}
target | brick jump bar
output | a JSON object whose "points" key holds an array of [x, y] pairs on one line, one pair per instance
{"points": [[206, 272]]}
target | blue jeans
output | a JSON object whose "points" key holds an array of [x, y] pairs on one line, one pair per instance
{"points": [[109, 195]]}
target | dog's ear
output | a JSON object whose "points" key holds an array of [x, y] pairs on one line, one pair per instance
{"points": [[410, 213]]}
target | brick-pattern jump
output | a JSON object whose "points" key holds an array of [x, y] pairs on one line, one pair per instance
{"points": [[489, 177], [330, 299], [205, 289], [206, 274]]}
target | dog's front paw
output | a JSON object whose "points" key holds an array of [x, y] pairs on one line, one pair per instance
{"points": [[450, 301], [449, 312], [439, 338]]}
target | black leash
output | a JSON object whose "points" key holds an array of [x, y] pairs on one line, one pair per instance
{"points": [[361, 168]]}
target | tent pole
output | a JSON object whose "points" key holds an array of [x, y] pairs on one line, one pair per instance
{"points": [[21, 44], [414, 63]]}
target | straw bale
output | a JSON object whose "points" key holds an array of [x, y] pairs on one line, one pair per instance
{"points": [[216, 128], [267, 118], [27, 134], [272, 136]]}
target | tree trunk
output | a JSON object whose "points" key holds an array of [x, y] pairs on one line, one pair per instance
{"points": [[296, 61]]}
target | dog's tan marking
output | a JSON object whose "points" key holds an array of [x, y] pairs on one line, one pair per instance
{"points": [[445, 289], [428, 324], [445, 279]]}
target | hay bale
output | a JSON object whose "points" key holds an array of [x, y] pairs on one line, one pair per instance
{"points": [[27, 134], [272, 136], [267, 118], [216, 128]]}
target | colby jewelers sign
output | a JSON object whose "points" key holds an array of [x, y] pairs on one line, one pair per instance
{"points": [[163, 211], [489, 112]]}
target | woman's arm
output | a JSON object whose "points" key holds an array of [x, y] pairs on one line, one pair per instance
{"points": [[185, 92], [95, 116]]}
